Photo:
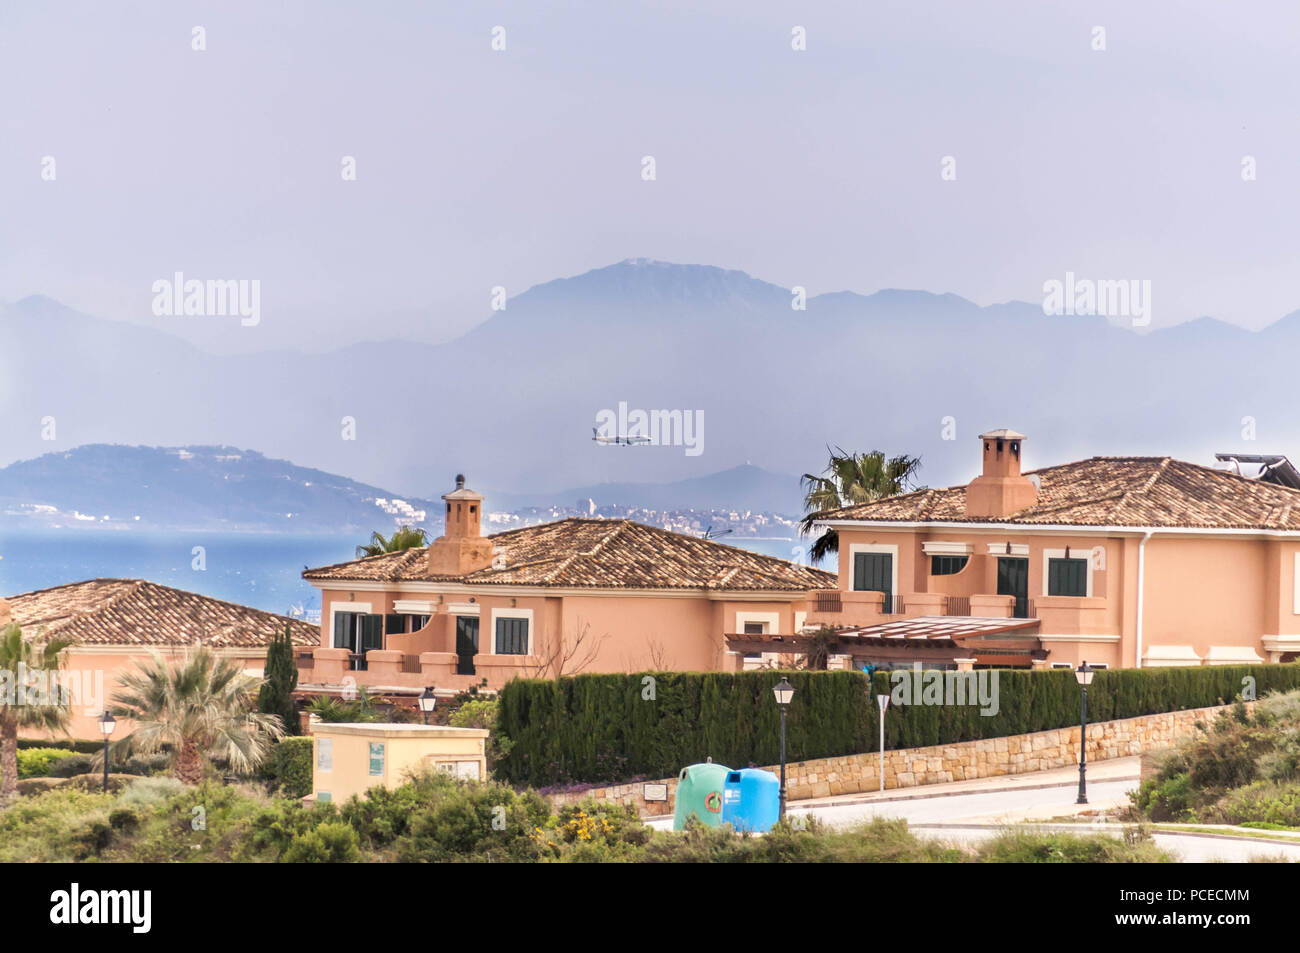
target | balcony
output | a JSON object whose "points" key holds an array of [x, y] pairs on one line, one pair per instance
{"points": [[394, 670]]}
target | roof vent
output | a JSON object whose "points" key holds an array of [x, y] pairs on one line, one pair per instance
{"points": [[460, 481]]}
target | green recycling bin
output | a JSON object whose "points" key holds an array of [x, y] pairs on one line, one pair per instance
{"points": [[699, 793]]}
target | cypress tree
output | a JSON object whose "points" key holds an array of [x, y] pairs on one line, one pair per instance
{"points": [[276, 694]]}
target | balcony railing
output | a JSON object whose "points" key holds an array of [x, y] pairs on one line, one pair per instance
{"points": [[827, 602], [411, 664], [893, 605], [957, 605]]}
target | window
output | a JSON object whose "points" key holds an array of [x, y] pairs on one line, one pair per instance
{"points": [[324, 754], [755, 628], [324, 796], [947, 565], [358, 632], [512, 637], [403, 623], [1067, 577], [376, 759]]}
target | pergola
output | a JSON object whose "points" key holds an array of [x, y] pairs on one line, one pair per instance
{"points": [[937, 640]]}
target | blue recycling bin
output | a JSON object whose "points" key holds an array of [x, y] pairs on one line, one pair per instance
{"points": [[751, 799]]}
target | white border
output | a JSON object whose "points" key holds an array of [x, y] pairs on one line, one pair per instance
{"points": [[890, 548], [1049, 554], [510, 614], [771, 621], [932, 547], [345, 607]]}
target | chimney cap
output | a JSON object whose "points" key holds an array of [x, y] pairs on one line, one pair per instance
{"points": [[461, 493], [1003, 434]]}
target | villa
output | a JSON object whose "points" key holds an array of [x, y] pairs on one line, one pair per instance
{"points": [[113, 624], [1119, 561], [575, 595]]}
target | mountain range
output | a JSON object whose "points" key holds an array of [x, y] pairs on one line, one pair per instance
{"points": [[513, 402], [106, 486]]}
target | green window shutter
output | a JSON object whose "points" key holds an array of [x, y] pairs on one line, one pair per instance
{"points": [[345, 634], [1067, 577], [372, 633], [512, 637], [873, 572], [376, 758]]}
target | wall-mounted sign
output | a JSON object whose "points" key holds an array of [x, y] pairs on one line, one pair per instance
{"points": [[655, 792]]}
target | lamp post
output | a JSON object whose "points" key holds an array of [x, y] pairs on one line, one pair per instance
{"points": [[1084, 676], [427, 701], [106, 725], [883, 702], [783, 691]]}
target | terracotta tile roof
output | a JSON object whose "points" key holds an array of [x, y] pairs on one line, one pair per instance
{"points": [[599, 554], [1114, 491], [138, 612]]}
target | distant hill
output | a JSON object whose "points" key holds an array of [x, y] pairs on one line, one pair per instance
{"points": [[196, 487], [225, 488], [512, 402]]}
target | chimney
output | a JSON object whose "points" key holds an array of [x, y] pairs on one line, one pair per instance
{"points": [[1000, 490], [462, 548]]}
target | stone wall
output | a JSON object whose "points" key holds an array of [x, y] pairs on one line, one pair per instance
{"points": [[967, 760]]}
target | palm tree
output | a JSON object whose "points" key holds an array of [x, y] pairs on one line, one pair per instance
{"points": [[32, 696], [201, 707], [403, 538], [850, 479]]}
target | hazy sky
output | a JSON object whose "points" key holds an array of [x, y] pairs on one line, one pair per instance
{"points": [[478, 168]]}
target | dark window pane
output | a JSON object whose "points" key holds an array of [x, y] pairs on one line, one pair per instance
{"points": [[512, 636], [1067, 577], [947, 565]]}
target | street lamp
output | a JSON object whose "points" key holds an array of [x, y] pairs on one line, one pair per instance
{"points": [[882, 702], [783, 691], [1084, 676], [106, 725], [427, 701]]}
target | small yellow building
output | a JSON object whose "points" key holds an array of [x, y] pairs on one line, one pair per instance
{"points": [[350, 758]]}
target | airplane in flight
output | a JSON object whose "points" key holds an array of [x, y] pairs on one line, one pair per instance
{"points": [[632, 440]]}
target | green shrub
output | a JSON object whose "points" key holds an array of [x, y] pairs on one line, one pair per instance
{"points": [[39, 762], [1038, 847], [1165, 799], [72, 765], [288, 767], [595, 728], [151, 792], [330, 843], [76, 745], [1259, 804], [472, 821]]}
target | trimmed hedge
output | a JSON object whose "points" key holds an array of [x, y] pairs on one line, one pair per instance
{"points": [[79, 745], [599, 728]]}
